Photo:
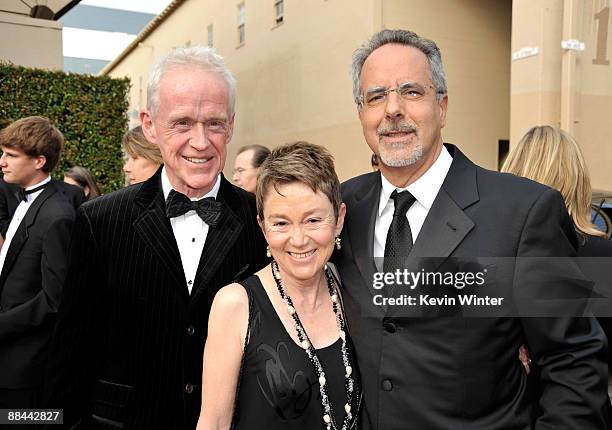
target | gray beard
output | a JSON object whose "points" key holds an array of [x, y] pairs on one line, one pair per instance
{"points": [[390, 160]]}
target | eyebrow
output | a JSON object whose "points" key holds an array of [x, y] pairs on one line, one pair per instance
{"points": [[407, 84]]}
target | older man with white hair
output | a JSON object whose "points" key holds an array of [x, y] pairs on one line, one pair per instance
{"points": [[147, 261]]}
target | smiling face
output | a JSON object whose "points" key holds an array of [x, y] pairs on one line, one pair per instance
{"points": [[405, 134], [300, 228], [192, 127], [20, 168]]}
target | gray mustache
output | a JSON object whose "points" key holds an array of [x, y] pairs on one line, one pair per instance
{"points": [[396, 127]]}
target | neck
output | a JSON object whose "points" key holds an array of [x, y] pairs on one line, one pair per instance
{"points": [[192, 193], [305, 293], [401, 177], [35, 180]]}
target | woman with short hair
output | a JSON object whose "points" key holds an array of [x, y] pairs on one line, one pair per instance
{"points": [[278, 354]]}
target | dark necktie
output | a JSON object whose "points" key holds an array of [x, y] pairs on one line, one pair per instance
{"points": [[208, 209], [399, 236], [22, 193]]}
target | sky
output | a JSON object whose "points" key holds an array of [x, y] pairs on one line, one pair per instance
{"points": [[148, 6], [79, 42]]}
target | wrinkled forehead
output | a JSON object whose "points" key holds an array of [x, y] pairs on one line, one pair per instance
{"points": [[393, 64], [193, 85]]}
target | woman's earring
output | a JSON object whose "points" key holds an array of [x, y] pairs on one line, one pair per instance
{"points": [[268, 253], [338, 243]]}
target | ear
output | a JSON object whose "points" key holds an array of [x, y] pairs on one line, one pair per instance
{"points": [[443, 110], [261, 226], [340, 221], [230, 129], [148, 126], [39, 162]]}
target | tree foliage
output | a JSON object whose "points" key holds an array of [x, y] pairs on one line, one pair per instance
{"points": [[91, 112]]}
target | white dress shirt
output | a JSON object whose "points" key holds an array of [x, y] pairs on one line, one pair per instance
{"points": [[18, 216], [425, 189], [190, 231]]}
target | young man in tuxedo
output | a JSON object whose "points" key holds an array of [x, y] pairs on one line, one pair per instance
{"points": [[33, 257], [428, 210], [147, 261]]}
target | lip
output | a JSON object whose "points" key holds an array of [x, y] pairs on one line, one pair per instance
{"points": [[197, 160], [302, 256], [396, 136]]}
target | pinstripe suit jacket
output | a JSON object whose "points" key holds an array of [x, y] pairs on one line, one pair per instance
{"points": [[127, 351]]}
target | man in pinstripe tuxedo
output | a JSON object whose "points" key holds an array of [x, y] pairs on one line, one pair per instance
{"points": [[146, 262]]}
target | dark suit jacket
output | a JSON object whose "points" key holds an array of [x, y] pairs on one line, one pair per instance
{"points": [[9, 199], [596, 260], [442, 370], [8, 203], [30, 287], [129, 341]]}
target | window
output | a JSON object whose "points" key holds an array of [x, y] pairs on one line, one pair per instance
{"points": [[209, 31], [241, 23], [279, 11]]}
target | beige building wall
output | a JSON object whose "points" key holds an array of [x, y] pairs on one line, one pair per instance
{"points": [[31, 42], [294, 78], [571, 89], [474, 37]]}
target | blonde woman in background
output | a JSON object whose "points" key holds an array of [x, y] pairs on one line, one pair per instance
{"points": [[552, 157], [144, 157]]}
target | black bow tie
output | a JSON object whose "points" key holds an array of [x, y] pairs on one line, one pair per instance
{"points": [[208, 209], [22, 193]]}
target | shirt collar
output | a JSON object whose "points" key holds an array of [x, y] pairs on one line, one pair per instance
{"points": [[43, 182], [167, 186], [425, 189]]}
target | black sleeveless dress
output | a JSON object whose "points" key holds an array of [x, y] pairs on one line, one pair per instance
{"points": [[278, 388]]}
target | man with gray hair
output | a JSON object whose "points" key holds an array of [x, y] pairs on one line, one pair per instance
{"points": [[146, 262], [426, 364]]}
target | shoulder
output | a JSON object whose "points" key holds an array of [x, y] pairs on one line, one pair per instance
{"points": [[122, 198], [358, 184], [240, 201], [594, 246], [511, 189], [230, 301], [231, 297]]}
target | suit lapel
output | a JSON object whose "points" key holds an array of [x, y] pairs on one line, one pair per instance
{"points": [[22, 232], [362, 213], [153, 227], [446, 224], [220, 239]]}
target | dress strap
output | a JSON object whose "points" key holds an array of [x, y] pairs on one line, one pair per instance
{"points": [[244, 349]]}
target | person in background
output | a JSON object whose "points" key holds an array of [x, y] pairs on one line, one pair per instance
{"points": [[247, 164], [300, 326], [143, 157], [33, 259], [552, 157], [82, 177]]}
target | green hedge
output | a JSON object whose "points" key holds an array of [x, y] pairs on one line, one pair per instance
{"points": [[91, 112]]}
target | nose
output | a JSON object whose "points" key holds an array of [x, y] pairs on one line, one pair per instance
{"points": [[298, 238], [198, 139], [236, 178], [127, 167], [394, 108], [2, 160]]}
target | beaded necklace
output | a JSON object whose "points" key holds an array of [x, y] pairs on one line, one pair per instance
{"points": [[349, 380]]}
